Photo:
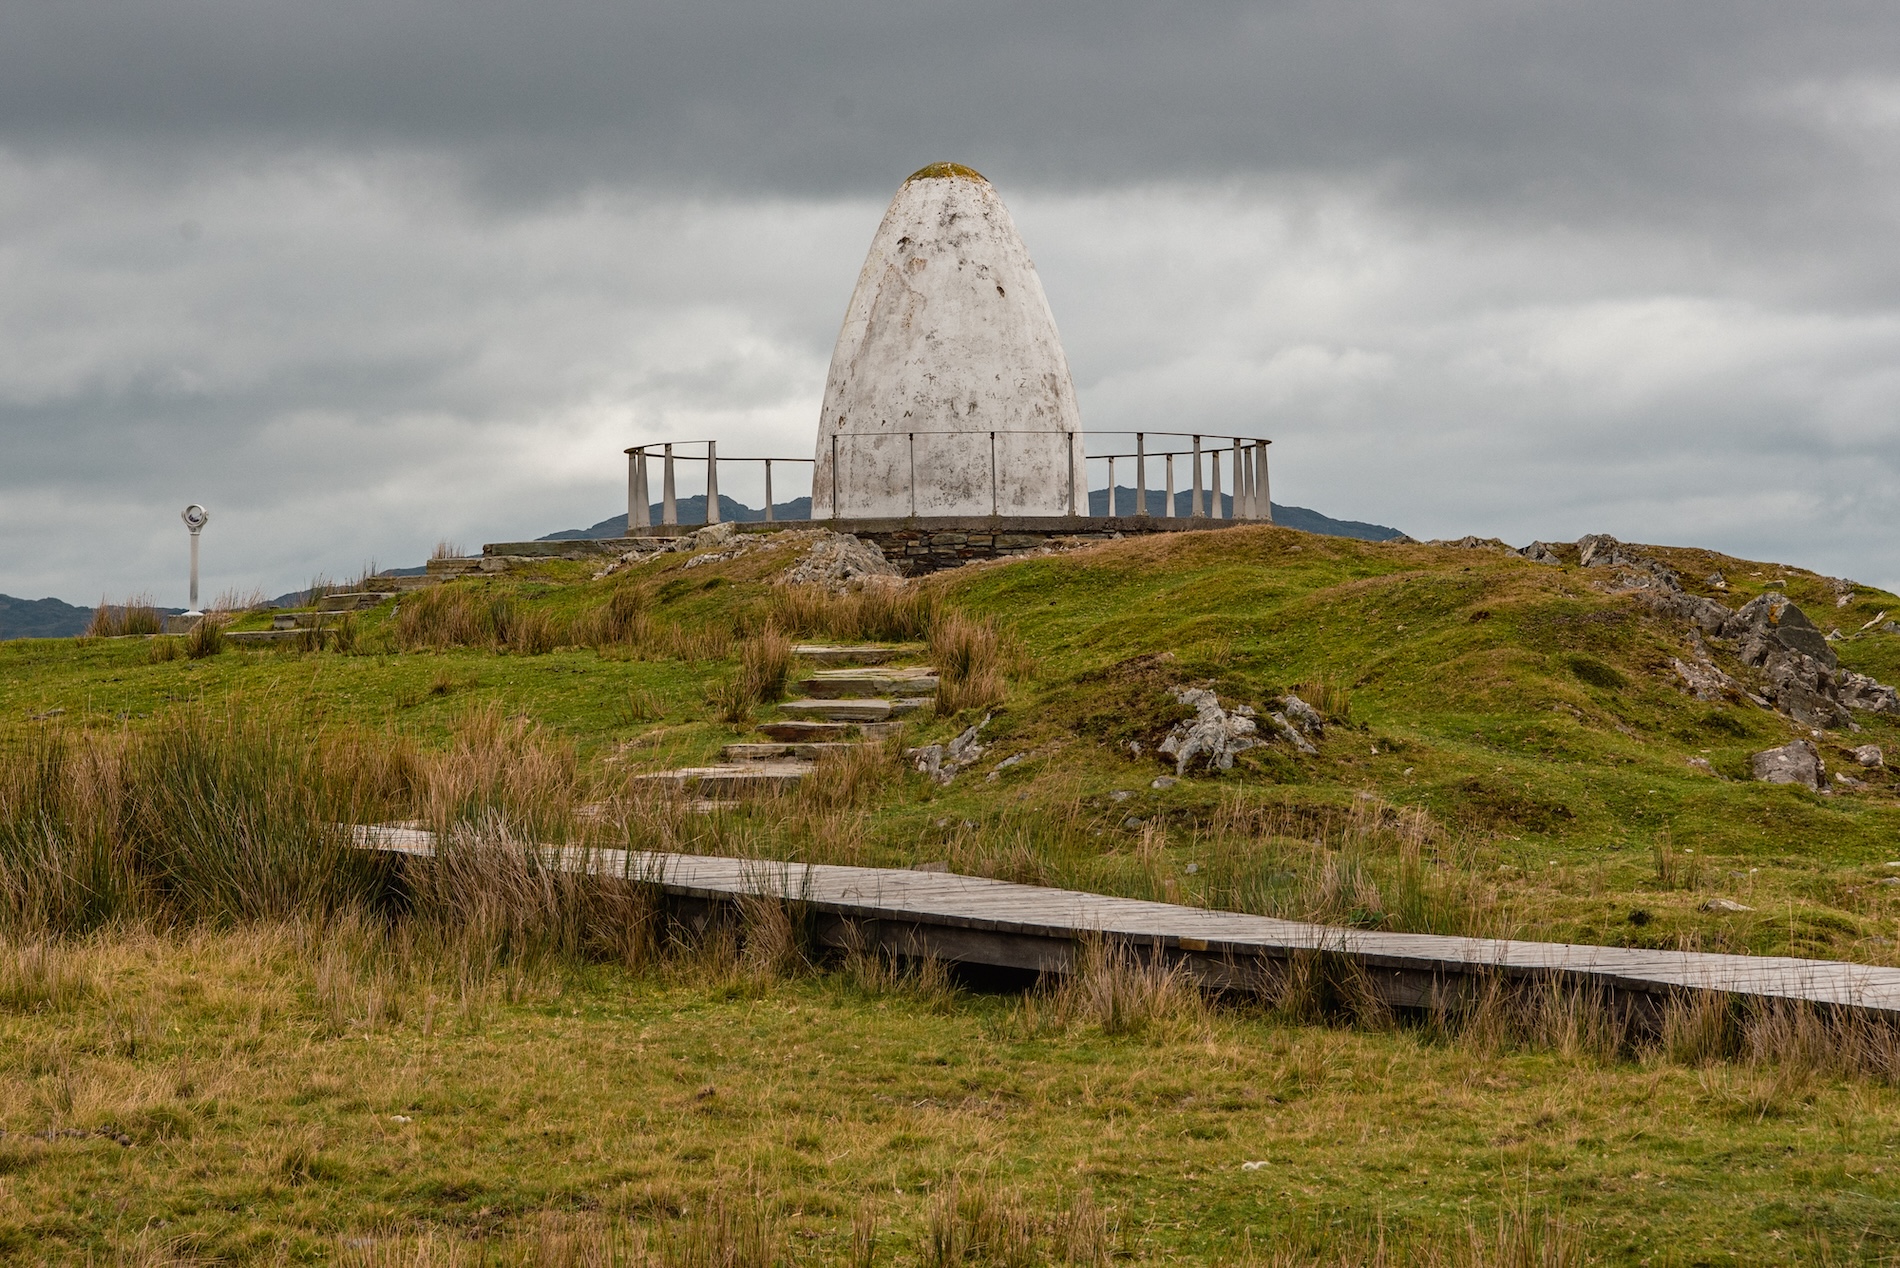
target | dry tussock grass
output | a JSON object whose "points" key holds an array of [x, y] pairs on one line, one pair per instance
{"points": [[969, 659], [892, 611], [115, 620]]}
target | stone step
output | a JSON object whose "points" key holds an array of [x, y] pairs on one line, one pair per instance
{"points": [[858, 654], [750, 751], [853, 710], [787, 732], [351, 601], [403, 585], [253, 638], [842, 684], [738, 779], [454, 566]]}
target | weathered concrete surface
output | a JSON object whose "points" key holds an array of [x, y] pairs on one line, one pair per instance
{"points": [[948, 332]]}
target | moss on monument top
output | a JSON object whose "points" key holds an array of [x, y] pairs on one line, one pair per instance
{"points": [[945, 171]]}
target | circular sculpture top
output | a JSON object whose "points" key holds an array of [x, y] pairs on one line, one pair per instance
{"points": [[195, 517], [949, 394]]}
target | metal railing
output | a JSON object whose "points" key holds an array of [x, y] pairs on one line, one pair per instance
{"points": [[1244, 456]]}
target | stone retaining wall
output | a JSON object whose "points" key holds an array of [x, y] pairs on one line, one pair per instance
{"points": [[916, 546]]}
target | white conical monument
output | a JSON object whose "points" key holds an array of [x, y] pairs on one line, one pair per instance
{"points": [[949, 393]]}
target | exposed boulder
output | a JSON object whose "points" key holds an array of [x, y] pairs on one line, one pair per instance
{"points": [[1214, 735], [1858, 691], [1870, 756], [1794, 763], [1705, 679], [837, 561], [942, 761], [1541, 553]]}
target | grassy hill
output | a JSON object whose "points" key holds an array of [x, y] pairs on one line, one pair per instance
{"points": [[1509, 748]]}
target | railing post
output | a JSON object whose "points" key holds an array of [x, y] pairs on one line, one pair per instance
{"points": [[669, 502], [638, 514], [994, 504], [769, 517], [835, 515], [1073, 438], [1167, 507], [712, 482], [1264, 490], [1111, 484], [1213, 463], [1199, 508], [913, 473], [1141, 473]]}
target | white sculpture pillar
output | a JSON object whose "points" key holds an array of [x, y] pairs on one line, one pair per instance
{"points": [[712, 482], [1198, 507]]}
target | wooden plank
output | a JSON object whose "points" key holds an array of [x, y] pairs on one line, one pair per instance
{"points": [[1014, 918]]}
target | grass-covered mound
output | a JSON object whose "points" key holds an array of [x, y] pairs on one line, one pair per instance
{"points": [[224, 1035]]}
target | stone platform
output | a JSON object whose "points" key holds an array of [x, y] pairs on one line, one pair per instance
{"points": [[916, 545]]}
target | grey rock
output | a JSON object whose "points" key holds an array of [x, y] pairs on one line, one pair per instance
{"points": [[1292, 733], [1794, 763], [1004, 765], [1541, 553], [1772, 618], [1870, 756], [1725, 904], [1213, 734], [1705, 681], [1858, 691], [1164, 781], [1120, 794], [942, 761], [1302, 715]]}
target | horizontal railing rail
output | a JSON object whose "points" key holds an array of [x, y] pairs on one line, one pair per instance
{"points": [[1245, 458]]}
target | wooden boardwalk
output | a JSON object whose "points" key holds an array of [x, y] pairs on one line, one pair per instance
{"points": [[973, 920]]}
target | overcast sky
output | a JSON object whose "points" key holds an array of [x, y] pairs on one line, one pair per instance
{"points": [[362, 276]]}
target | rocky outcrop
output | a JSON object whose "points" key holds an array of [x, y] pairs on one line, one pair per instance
{"points": [[837, 561], [1796, 671], [1870, 756], [1795, 763], [942, 761], [1213, 736], [1541, 553]]}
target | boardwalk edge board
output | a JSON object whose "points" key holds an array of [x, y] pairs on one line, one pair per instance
{"points": [[976, 920]]}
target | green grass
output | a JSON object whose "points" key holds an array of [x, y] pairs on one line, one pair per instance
{"points": [[1508, 754]]}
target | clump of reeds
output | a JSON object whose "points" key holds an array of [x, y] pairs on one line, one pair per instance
{"points": [[116, 620], [206, 638], [164, 648], [893, 610], [468, 616], [1116, 990], [850, 777], [624, 620], [968, 656], [765, 666], [969, 1222]]}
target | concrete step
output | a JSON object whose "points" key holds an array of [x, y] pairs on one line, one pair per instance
{"points": [[855, 654], [854, 710], [302, 620], [454, 566], [843, 684], [739, 779], [403, 585], [805, 752], [352, 601], [822, 732]]}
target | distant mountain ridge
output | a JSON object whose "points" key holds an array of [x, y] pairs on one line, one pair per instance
{"points": [[692, 510], [41, 618]]}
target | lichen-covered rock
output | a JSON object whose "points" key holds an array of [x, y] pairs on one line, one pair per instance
{"points": [[1870, 756], [1705, 680], [1213, 735], [837, 561], [1794, 763]]}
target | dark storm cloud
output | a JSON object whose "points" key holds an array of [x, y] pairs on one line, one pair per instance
{"points": [[1607, 108]]}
